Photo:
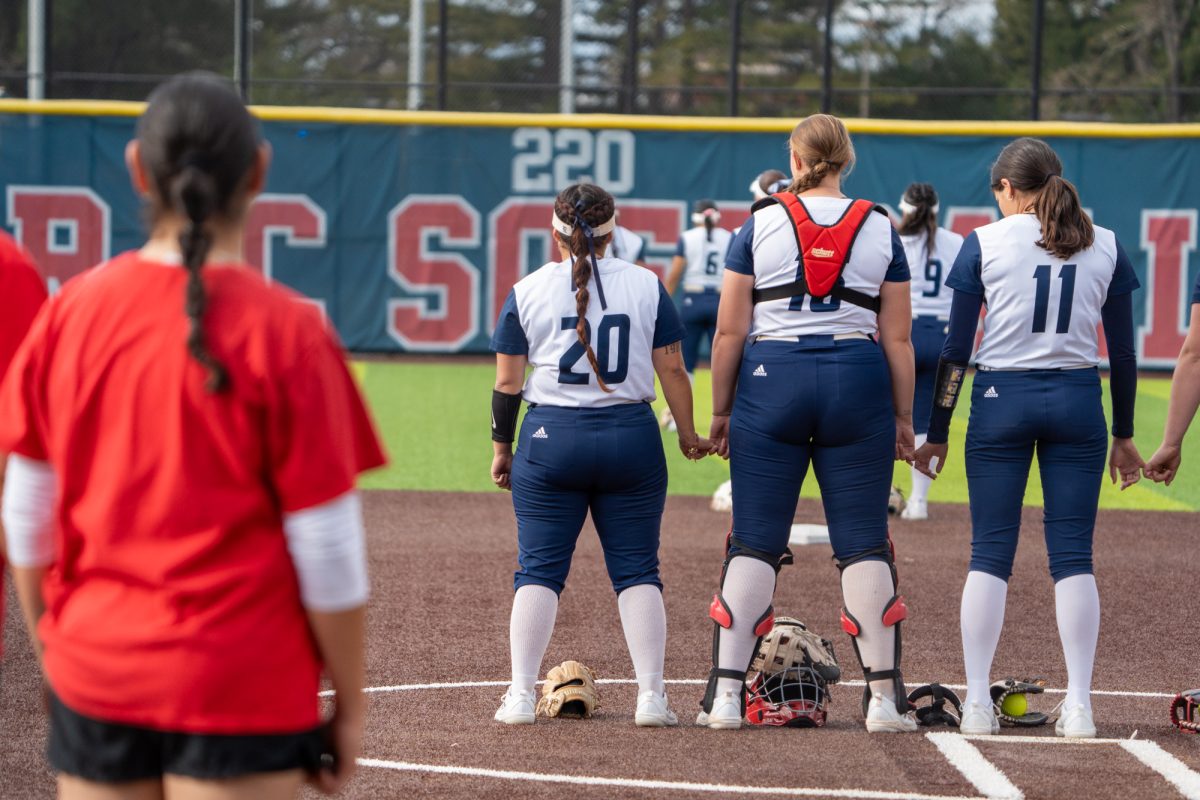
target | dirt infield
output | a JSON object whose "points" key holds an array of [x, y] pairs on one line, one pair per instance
{"points": [[441, 571]]}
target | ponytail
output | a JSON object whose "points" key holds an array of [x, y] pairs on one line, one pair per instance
{"points": [[822, 142], [581, 273], [1066, 229], [194, 195], [708, 226], [919, 204]]}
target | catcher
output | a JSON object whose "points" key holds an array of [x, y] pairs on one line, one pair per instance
{"points": [[788, 681]]}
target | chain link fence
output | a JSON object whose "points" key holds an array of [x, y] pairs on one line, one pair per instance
{"points": [[1120, 60]]}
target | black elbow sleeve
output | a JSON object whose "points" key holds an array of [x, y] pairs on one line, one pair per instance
{"points": [[505, 409]]}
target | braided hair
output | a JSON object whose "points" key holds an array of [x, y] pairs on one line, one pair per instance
{"points": [[824, 145], [584, 206], [921, 214], [197, 143]]}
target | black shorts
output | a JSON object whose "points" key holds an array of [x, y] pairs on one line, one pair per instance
{"points": [[108, 752]]}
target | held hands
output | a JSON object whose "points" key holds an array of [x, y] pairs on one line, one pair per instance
{"points": [[930, 458], [502, 469], [718, 433], [1124, 459], [693, 447], [1163, 466]]}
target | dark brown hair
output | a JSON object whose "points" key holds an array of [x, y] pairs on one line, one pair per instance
{"points": [[923, 218], [824, 145], [591, 205], [1031, 166], [702, 206], [197, 143]]}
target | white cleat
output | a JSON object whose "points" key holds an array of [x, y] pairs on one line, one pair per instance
{"points": [[653, 711], [1075, 722], [882, 717], [915, 510], [979, 720], [516, 708], [666, 420], [726, 713]]}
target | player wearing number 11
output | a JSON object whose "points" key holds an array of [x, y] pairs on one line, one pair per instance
{"points": [[1048, 277], [596, 330]]}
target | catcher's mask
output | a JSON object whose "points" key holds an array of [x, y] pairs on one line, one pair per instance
{"points": [[797, 697]]}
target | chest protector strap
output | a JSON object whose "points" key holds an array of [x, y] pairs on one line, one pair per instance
{"points": [[824, 253]]}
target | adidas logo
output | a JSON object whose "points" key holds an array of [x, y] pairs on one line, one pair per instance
{"points": [[540, 433], [991, 392], [820, 252], [760, 372]]}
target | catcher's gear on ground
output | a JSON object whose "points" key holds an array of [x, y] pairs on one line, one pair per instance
{"points": [[797, 697], [1185, 711], [943, 708], [789, 676], [791, 644], [895, 501], [1002, 689], [569, 691]]}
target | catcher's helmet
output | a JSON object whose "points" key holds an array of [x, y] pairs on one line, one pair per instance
{"points": [[797, 697]]}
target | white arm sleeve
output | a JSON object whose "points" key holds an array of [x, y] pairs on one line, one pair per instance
{"points": [[28, 511], [328, 548]]}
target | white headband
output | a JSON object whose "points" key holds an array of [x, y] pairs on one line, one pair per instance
{"points": [[698, 217], [908, 208], [566, 229], [757, 190]]}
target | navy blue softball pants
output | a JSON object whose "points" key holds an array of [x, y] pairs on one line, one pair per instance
{"points": [[571, 460], [1057, 414], [928, 338], [818, 401], [699, 315]]}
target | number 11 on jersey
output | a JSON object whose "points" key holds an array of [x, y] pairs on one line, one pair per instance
{"points": [[1041, 304]]}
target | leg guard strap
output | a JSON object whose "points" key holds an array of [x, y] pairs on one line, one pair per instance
{"points": [[710, 691]]}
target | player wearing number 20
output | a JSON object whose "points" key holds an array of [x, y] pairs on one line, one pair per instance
{"points": [[595, 330], [699, 260], [1048, 277], [930, 251]]}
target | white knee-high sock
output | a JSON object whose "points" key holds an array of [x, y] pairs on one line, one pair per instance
{"points": [[748, 589], [1077, 606], [529, 628], [920, 481], [867, 587], [644, 619], [981, 618]]}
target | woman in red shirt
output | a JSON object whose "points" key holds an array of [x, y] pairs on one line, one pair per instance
{"points": [[180, 505]]}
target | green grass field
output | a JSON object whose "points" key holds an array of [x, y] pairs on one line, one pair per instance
{"points": [[434, 419]]}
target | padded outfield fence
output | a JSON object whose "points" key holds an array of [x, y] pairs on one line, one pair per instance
{"points": [[409, 228]]}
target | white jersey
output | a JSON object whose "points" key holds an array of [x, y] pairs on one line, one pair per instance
{"points": [[1042, 311], [766, 248], [626, 245], [930, 297], [705, 259], [539, 317]]}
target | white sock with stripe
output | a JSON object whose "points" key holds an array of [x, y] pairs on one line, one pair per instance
{"points": [[534, 610], [644, 618], [1077, 607], [981, 618]]}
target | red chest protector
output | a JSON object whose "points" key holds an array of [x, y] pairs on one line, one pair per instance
{"points": [[824, 252]]}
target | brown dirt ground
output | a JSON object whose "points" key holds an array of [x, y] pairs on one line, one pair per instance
{"points": [[441, 571]]}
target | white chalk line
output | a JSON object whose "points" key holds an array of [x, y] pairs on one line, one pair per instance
{"points": [[979, 772], [1175, 771], [638, 783], [420, 687]]}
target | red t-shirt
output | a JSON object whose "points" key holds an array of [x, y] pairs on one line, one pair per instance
{"points": [[173, 602], [22, 292]]}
